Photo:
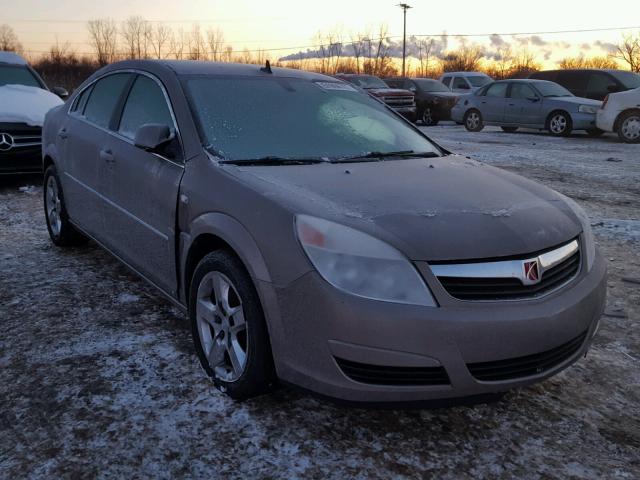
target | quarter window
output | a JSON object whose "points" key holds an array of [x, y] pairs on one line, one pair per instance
{"points": [[146, 104], [104, 98], [600, 84], [81, 101]]}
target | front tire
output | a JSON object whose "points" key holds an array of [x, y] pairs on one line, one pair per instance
{"points": [[473, 121], [61, 231], [629, 127], [228, 327], [559, 124], [427, 118]]}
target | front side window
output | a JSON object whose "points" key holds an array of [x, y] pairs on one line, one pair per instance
{"points": [[446, 81], [17, 75], [522, 90], [104, 98], [248, 118], [145, 104], [497, 90], [479, 80]]}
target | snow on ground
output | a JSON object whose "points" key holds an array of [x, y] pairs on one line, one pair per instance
{"points": [[98, 377]]}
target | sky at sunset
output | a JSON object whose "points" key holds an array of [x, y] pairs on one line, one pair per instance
{"points": [[279, 24]]}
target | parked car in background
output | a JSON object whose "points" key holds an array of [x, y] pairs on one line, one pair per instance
{"points": [[433, 99], [401, 100], [620, 113], [24, 101], [465, 82], [540, 104], [296, 238], [591, 83]]}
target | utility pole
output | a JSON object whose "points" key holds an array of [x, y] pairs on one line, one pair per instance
{"points": [[404, 7]]}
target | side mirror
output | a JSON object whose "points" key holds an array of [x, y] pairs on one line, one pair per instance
{"points": [[61, 92], [152, 136]]}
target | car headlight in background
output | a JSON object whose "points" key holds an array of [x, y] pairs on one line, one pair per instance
{"points": [[360, 264], [589, 241], [587, 109]]}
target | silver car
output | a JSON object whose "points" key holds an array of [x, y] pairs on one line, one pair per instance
{"points": [[538, 104], [313, 235]]}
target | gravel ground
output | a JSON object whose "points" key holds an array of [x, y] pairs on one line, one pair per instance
{"points": [[98, 377]]}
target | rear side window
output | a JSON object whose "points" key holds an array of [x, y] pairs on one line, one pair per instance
{"points": [[600, 84], [573, 81], [146, 104], [460, 82], [497, 90], [104, 98], [446, 81]]}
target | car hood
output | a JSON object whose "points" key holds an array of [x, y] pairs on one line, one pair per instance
{"points": [[433, 209], [22, 104], [389, 92], [577, 100], [443, 94]]}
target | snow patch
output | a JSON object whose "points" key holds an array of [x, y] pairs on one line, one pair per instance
{"points": [[22, 104]]}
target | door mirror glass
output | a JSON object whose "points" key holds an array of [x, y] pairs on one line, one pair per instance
{"points": [[153, 136], [61, 92]]}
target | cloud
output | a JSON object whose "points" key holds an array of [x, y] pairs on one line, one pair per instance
{"points": [[496, 40], [537, 41], [606, 46], [585, 46]]}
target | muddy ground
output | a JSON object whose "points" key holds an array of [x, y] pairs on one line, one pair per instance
{"points": [[98, 377]]}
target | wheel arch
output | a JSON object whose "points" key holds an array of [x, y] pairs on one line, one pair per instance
{"points": [[547, 121], [616, 123]]}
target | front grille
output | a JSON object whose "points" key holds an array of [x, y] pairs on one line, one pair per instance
{"points": [[525, 366], [379, 375], [465, 288], [23, 135], [399, 101]]}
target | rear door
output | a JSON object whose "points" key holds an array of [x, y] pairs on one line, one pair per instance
{"points": [[141, 216], [524, 106], [492, 103], [85, 136]]}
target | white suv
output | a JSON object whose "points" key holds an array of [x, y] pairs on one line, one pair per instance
{"points": [[620, 113], [465, 82]]}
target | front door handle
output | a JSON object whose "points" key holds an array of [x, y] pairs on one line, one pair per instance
{"points": [[107, 156]]}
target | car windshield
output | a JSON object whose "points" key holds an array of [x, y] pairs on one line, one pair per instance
{"points": [[367, 81], [479, 80], [551, 89], [629, 79], [247, 118], [428, 85], [17, 75]]}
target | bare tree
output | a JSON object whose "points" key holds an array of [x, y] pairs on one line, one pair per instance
{"points": [[524, 62], [592, 62], [136, 33], [465, 59], [424, 47], [103, 38], [9, 40], [357, 44], [160, 40], [228, 53], [629, 52], [177, 43], [382, 61], [215, 41], [503, 62], [197, 45]]}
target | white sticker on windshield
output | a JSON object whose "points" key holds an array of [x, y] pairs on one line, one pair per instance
{"points": [[336, 86]]}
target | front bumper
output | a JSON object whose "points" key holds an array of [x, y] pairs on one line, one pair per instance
{"points": [[583, 121], [312, 323], [21, 160], [605, 119]]}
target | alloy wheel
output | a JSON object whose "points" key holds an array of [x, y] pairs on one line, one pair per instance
{"points": [[54, 205], [631, 128], [427, 119], [473, 120], [221, 326], [558, 124]]}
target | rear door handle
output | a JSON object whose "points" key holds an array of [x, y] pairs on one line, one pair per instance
{"points": [[62, 133], [107, 156]]}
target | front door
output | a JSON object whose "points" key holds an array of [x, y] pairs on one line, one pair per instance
{"points": [[524, 106], [143, 188]]}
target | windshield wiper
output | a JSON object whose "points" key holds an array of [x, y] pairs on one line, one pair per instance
{"points": [[380, 156], [275, 160]]}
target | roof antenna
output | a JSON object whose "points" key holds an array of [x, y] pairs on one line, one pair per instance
{"points": [[266, 68]]}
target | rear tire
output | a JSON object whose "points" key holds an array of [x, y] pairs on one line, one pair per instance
{"points": [[510, 129], [61, 231], [559, 124], [228, 327], [473, 121], [629, 127]]}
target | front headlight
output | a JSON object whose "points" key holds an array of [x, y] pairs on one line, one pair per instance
{"points": [[360, 264], [589, 241], [587, 109]]}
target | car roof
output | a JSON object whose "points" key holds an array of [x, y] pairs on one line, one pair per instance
{"points": [[12, 58], [195, 67], [608, 70], [464, 74]]}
